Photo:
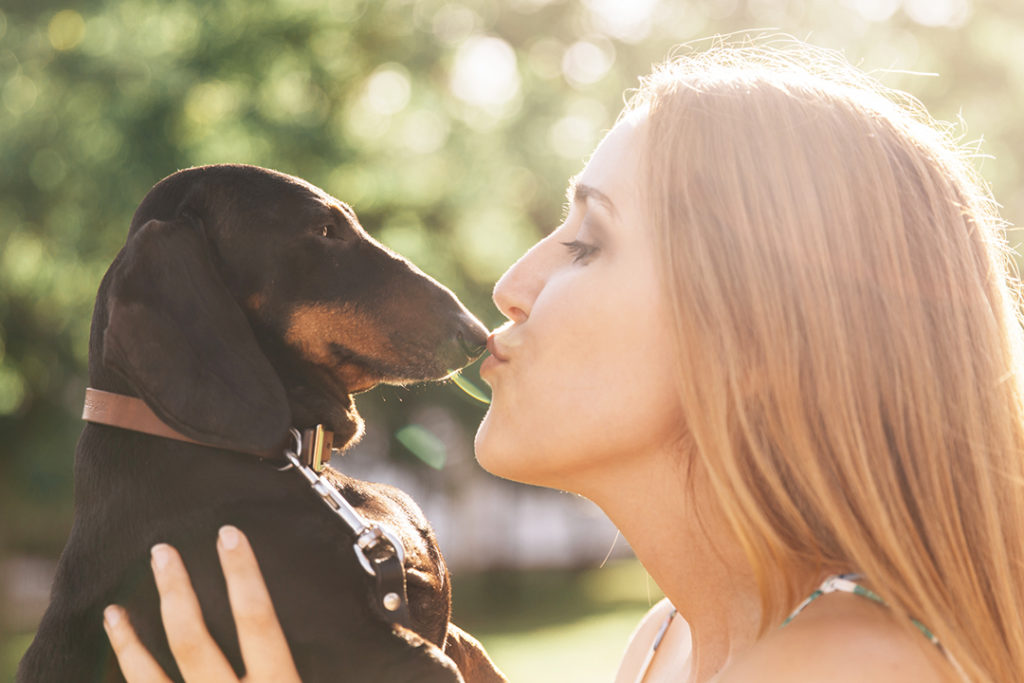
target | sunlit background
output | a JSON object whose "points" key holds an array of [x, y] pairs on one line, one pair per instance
{"points": [[451, 127]]}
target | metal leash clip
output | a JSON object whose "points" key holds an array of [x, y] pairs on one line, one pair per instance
{"points": [[378, 549], [374, 543]]}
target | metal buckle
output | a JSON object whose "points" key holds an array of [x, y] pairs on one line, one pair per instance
{"points": [[316, 447]]}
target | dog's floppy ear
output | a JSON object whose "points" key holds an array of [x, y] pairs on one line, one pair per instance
{"points": [[175, 332]]}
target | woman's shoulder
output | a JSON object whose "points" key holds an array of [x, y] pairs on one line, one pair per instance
{"points": [[841, 638], [673, 650]]}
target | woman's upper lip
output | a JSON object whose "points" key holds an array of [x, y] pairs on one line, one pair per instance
{"points": [[492, 346]]}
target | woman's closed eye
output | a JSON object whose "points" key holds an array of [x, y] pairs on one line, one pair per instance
{"points": [[581, 251]]}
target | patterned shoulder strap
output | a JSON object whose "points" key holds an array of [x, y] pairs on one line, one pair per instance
{"points": [[847, 583]]}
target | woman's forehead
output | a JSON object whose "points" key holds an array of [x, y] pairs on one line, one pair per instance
{"points": [[612, 169]]}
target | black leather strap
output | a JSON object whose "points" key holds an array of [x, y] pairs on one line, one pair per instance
{"points": [[391, 601]]}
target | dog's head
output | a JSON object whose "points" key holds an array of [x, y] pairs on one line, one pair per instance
{"points": [[246, 301]]}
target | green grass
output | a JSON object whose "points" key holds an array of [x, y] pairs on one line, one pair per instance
{"points": [[584, 650], [539, 627], [565, 626]]}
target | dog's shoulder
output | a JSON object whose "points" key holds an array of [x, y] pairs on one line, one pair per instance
{"points": [[379, 501]]}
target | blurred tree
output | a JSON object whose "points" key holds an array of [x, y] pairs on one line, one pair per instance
{"points": [[450, 126]]}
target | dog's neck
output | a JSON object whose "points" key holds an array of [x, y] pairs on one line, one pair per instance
{"points": [[378, 549], [131, 413]]}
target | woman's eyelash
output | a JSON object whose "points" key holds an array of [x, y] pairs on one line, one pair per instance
{"points": [[580, 250]]}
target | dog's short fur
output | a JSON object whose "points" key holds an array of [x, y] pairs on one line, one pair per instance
{"points": [[244, 302]]}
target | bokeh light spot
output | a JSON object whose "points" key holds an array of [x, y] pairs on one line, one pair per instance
{"points": [[627, 20], [290, 96], [875, 10], [211, 102], [423, 444], [453, 23], [171, 30], [12, 390], [19, 94], [485, 74], [66, 29], [22, 259], [585, 62], [948, 13], [388, 89]]}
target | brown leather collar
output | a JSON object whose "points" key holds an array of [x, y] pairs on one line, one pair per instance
{"points": [[378, 549], [128, 412]]}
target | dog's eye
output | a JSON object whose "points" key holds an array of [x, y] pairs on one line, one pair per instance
{"points": [[331, 231]]}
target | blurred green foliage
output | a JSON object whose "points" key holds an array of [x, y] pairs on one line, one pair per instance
{"points": [[451, 127]]}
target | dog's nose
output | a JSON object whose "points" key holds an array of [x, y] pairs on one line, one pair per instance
{"points": [[471, 336]]}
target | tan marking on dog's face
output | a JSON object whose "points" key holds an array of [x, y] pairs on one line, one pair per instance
{"points": [[255, 302], [313, 328]]}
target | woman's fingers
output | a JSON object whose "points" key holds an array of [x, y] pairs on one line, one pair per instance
{"points": [[264, 648], [137, 665], [197, 654]]}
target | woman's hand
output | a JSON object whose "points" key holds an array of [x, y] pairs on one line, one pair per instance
{"points": [[264, 649]]}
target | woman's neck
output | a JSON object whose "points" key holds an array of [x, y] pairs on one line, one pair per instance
{"points": [[688, 554]]}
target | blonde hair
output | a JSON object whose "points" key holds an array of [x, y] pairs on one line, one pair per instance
{"points": [[848, 334]]}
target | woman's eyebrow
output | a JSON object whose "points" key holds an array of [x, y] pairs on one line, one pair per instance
{"points": [[581, 192]]}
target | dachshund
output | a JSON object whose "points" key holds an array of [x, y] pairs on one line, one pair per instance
{"points": [[246, 302]]}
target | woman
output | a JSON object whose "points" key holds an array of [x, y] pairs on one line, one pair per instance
{"points": [[786, 349]]}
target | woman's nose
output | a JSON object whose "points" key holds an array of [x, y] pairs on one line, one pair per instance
{"points": [[518, 288], [508, 294]]}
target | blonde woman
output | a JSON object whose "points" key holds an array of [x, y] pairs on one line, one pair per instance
{"points": [[777, 341]]}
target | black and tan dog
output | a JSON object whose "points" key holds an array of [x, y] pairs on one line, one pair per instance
{"points": [[243, 303]]}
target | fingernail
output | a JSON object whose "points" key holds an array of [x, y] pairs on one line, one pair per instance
{"points": [[160, 553], [229, 537], [112, 615]]}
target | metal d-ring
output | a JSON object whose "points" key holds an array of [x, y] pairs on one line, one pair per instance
{"points": [[298, 449]]}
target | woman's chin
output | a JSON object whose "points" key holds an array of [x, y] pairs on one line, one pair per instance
{"points": [[494, 450], [484, 446]]}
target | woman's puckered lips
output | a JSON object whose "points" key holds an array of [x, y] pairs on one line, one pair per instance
{"points": [[495, 348]]}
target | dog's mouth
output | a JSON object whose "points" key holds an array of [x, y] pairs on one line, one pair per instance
{"points": [[358, 373], [357, 354]]}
